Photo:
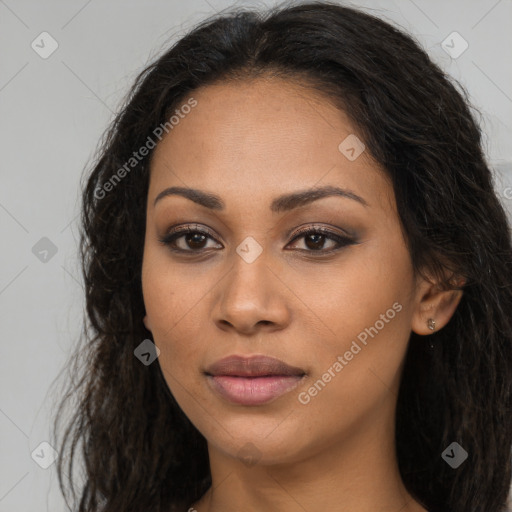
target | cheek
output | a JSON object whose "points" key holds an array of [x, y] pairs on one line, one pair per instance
{"points": [[353, 295], [175, 297], [366, 313], [171, 307], [171, 291]]}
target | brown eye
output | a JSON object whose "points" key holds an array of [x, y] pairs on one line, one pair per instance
{"points": [[187, 239], [194, 240], [315, 240]]}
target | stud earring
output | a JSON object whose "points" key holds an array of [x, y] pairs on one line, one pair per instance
{"points": [[431, 323]]}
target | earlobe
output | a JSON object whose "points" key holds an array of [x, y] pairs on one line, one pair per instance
{"points": [[435, 309], [146, 323]]}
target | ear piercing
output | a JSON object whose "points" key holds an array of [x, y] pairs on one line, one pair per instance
{"points": [[431, 323]]}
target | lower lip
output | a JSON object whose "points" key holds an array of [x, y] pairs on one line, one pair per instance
{"points": [[253, 390]]}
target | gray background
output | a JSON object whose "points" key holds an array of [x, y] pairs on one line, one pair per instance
{"points": [[53, 112]]}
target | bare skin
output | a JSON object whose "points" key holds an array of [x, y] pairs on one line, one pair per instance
{"points": [[249, 142]]}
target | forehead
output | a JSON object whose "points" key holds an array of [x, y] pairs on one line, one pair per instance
{"points": [[259, 136]]}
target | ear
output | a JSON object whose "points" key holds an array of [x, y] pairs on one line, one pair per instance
{"points": [[146, 323], [436, 303]]}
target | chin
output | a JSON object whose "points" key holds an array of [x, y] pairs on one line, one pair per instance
{"points": [[263, 440]]}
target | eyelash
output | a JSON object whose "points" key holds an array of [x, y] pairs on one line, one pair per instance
{"points": [[342, 241]]}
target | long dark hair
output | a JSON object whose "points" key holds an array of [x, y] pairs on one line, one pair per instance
{"points": [[138, 450]]}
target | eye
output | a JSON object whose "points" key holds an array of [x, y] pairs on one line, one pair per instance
{"points": [[316, 236], [192, 239]]}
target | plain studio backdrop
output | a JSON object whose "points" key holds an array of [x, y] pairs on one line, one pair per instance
{"points": [[65, 66]]}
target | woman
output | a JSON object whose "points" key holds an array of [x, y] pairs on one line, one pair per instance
{"points": [[298, 281]]}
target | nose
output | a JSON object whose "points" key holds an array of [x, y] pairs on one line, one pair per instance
{"points": [[252, 297]]}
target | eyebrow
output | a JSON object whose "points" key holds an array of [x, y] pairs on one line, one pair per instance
{"points": [[281, 203]]}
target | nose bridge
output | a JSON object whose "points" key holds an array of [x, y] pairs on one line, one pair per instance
{"points": [[250, 275], [250, 293]]}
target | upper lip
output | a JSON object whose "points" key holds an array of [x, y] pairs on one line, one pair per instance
{"points": [[253, 366]]}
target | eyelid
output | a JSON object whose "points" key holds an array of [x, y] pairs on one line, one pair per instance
{"points": [[188, 228], [342, 239], [322, 228]]}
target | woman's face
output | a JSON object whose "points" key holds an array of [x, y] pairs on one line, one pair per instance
{"points": [[248, 282]]}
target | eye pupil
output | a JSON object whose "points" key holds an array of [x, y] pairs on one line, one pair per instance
{"points": [[317, 239], [195, 238]]}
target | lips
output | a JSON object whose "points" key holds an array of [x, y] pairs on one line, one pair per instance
{"points": [[255, 366], [252, 380]]}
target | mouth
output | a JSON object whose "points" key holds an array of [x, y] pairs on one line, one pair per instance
{"points": [[252, 380]]}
